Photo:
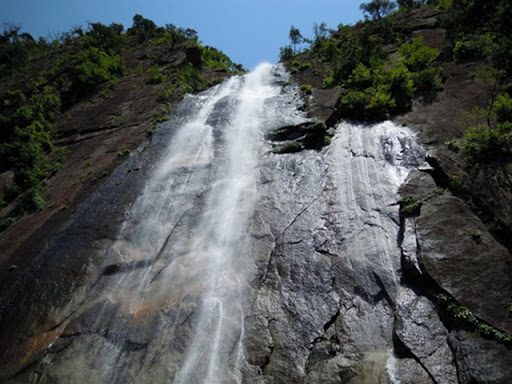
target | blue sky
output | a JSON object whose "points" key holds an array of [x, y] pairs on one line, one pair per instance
{"points": [[248, 31]]}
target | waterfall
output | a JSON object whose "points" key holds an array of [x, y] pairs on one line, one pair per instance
{"points": [[170, 304], [236, 264]]}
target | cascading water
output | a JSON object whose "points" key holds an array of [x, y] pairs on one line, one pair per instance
{"points": [[236, 264], [174, 288]]}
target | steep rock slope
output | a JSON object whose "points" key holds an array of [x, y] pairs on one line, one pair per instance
{"points": [[98, 129], [456, 258], [445, 297]]}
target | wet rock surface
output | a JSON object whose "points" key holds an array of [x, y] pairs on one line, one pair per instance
{"points": [[480, 360], [465, 260], [422, 332], [337, 281]]}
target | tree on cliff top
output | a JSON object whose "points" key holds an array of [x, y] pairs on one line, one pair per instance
{"points": [[377, 9]]}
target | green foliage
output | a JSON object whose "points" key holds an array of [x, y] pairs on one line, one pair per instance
{"points": [[143, 29], [166, 94], [17, 48], [481, 29], [418, 58], [503, 108], [476, 236], [155, 76], [402, 88], [96, 67], [484, 143], [489, 132], [410, 206], [377, 9], [285, 53], [372, 93], [307, 89], [463, 314], [380, 88], [296, 38], [426, 80], [26, 143], [328, 49], [105, 38], [320, 33], [190, 79], [474, 47], [452, 145], [215, 59], [298, 65]]}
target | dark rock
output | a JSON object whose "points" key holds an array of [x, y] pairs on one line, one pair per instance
{"points": [[194, 56], [480, 360], [409, 371], [176, 58], [299, 137], [87, 320], [419, 328], [477, 274]]}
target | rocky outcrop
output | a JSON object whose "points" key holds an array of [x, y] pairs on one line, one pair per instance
{"points": [[98, 134], [455, 244], [343, 288]]}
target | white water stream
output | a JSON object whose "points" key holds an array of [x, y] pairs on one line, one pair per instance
{"points": [[174, 304]]}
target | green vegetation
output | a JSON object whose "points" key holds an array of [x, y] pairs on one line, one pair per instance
{"points": [[307, 89], [42, 78], [410, 206], [377, 9], [155, 76], [378, 86], [480, 30], [493, 138], [476, 236], [214, 59], [460, 313], [375, 84]]}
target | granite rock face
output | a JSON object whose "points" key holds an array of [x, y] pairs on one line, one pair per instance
{"points": [[317, 277]]}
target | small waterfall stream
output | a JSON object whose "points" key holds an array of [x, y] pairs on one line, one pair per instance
{"points": [[176, 278], [235, 264]]}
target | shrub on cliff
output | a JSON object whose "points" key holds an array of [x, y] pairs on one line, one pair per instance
{"points": [[96, 67], [486, 142], [377, 9], [373, 93]]}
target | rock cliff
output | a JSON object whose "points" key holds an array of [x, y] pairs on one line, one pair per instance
{"points": [[368, 263]]}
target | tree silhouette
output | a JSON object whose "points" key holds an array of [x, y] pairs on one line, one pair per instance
{"points": [[377, 9]]}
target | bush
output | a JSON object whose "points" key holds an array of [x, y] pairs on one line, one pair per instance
{"points": [[474, 46], [373, 93], [285, 53], [503, 108], [154, 76], [213, 58], [416, 56], [307, 89], [410, 206], [190, 79], [483, 143], [402, 88], [96, 67], [426, 80], [328, 49]]}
